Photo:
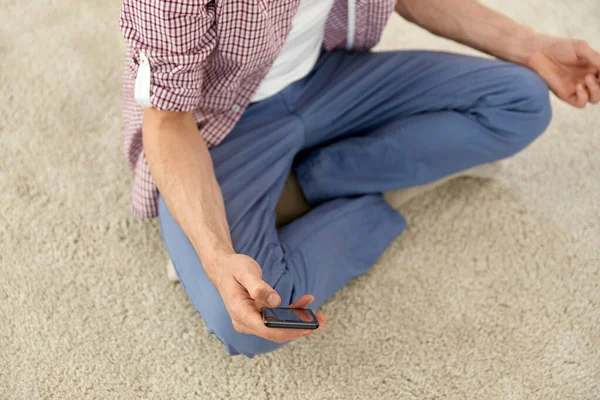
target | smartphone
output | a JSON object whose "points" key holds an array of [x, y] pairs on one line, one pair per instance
{"points": [[295, 318]]}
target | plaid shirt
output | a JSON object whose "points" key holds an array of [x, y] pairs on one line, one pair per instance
{"points": [[210, 56]]}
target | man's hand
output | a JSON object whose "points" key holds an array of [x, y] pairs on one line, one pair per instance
{"points": [[238, 278], [570, 67], [182, 169]]}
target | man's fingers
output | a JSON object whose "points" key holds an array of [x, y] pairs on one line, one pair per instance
{"points": [[247, 319], [322, 321], [581, 96], [587, 52], [304, 314], [285, 335], [243, 312], [593, 88], [300, 304], [280, 335], [253, 323], [260, 291], [303, 301]]}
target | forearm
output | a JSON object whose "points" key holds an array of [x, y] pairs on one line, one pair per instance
{"points": [[182, 169], [472, 24]]}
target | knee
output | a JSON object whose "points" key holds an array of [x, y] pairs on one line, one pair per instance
{"points": [[531, 100], [236, 343]]}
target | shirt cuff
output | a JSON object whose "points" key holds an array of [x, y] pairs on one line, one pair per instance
{"points": [[165, 89]]}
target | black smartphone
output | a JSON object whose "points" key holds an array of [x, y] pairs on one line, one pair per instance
{"points": [[295, 318]]}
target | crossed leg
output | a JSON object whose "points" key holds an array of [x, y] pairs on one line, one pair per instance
{"points": [[363, 124]]}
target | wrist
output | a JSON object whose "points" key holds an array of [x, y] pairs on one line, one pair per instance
{"points": [[523, 44], [214, 259], [534, 46]]}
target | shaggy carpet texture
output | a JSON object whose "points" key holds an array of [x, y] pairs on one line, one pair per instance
{"points": [[493, 292]]}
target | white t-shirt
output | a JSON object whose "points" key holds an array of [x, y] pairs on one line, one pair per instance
{"points": [[301, 49]]}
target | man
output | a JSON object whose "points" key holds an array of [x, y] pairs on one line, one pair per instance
{"points": [[230, 95]]}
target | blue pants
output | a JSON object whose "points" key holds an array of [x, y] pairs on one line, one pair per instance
{"points": [[359, 124]]}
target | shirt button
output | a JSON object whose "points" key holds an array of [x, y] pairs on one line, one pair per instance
{"points": [[235, 108]]}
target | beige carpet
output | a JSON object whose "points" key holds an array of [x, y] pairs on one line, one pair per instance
{"points": [[492, 293]]}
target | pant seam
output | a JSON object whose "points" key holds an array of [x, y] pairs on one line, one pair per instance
{"points": [[289, 109]]}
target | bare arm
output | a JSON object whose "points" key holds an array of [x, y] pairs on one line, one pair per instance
{"points": [[471, 23], [570, 67], [175, 39], [183, 172], [182, 169]]}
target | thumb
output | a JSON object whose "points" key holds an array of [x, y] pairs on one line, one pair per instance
{"points": [[259, 290]]}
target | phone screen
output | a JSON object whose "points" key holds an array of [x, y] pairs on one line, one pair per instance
{"points": [[288, 315]]}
